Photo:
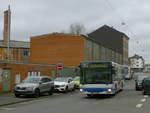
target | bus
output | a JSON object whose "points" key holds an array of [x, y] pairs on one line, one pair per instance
{"points": [[100, 78]]}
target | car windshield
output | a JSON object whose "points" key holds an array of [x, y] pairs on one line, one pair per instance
{"points": [[76, 79], [61, 79], [140, 78], [147, 81], [31, 80]]}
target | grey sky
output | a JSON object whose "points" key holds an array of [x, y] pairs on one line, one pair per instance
{"points": [[36, 17]]}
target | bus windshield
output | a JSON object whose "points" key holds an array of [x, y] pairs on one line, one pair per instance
{"points": [[97, 76]]}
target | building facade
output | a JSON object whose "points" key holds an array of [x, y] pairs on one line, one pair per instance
{"points": [[18, 51], [113, 40], [13, 72], [136, 62], [73, 49], [10, 49]]}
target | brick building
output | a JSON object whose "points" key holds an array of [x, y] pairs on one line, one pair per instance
{"points": [[72, 49], [54, 48], [12, 72], [14, 60], [10, 49]]}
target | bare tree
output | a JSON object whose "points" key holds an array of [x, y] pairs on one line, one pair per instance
{"points": [[77, 29]]}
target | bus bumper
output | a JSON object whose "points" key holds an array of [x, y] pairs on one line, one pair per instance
{"points": [[92, 91]]}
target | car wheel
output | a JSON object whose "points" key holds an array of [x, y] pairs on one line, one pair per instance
{"points": [[144, 93], [37, 93], [50, 92], [74, 87], [66, 90], [17, 95], [136, 88]]}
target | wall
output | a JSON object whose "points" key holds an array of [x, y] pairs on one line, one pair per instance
{"points": [[125, 50], [54, 48], [24, 69], [15, 54], [96, 52]]}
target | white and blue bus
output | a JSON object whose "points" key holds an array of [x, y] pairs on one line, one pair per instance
{"points": [[100, 78]]}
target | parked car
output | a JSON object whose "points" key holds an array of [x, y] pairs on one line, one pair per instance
{"points": [[138, 81], [77, 81], [34, 85], [146, 85], [64, 84]]}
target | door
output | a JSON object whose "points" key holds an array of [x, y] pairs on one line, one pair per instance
{"points": [[6, 80], [43, 85]]}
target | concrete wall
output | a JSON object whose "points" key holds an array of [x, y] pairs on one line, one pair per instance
{"points": [[125, 50], [96, 52]]}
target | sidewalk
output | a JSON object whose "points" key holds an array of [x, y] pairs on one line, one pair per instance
{"points": [[9, 98]]}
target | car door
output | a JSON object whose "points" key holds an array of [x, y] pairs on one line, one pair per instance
{"points": [[50, 84], [43, 85]]}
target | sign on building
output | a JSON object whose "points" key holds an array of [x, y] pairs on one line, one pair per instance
{"points": [[60, 66]]}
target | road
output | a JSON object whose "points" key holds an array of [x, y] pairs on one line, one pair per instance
{"points": [[127, 101]]}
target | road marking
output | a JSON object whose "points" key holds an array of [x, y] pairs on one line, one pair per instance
{"points": [[139, 105], [143, 100], [145, 96]]}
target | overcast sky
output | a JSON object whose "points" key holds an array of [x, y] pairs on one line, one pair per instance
{"points": [[36, 17]]}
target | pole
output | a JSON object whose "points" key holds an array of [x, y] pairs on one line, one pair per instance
{"points": [[8, 33]]}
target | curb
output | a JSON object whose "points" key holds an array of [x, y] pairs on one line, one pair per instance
{"points": [[25, 100], [17, 102]]}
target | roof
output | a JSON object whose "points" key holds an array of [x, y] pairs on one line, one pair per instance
{"points": [[16, 44], [109, 37], [54, 33], [137, 57]]}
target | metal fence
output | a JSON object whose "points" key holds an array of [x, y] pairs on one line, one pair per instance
{"points": [[68, 72]]}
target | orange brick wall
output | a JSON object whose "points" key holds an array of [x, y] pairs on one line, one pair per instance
{"points": [[23, 70], [54, 48]]}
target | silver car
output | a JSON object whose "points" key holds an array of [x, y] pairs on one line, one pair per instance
{"points": [[64, 84], [34, 85]]}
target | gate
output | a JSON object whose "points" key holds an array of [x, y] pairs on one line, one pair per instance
{"points": [[6, 86]]}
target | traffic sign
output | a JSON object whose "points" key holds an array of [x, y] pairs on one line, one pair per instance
{"points": [[60, 66]]}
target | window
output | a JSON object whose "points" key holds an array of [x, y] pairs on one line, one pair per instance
{"points": [[48, 79], [26, 53], [44, 80]]}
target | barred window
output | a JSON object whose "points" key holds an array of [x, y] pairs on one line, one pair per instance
{"points": [[26, 53]]}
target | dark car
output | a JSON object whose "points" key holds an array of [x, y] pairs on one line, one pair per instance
{"points": [[138, 82], [146, 85]]}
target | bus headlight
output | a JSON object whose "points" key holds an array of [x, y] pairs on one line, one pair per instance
{"points": [[109, 90], [81, 90]]}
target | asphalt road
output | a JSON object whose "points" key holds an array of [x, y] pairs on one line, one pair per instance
{"points": [[127, 101]]}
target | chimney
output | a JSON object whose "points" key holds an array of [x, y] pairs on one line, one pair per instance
{"points": [[7, 22]]}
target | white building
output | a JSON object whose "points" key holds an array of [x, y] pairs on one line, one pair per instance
{"points": [[136, 62]]}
